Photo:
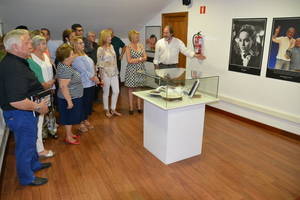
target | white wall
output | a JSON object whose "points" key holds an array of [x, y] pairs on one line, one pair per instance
{"points": [[93, 15], [270, 101]]}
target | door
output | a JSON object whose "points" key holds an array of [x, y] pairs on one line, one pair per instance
{"points": [[179, 21]]}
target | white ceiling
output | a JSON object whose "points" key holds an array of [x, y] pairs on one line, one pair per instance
{"points": [[94, 15]]}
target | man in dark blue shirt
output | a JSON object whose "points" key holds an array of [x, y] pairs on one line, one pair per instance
{"points": [[117, 44]]}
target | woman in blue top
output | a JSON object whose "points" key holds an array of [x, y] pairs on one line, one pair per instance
{"points": [[85, 66]]}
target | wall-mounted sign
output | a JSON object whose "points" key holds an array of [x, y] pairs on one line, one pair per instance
{"points": [[202, 9]]}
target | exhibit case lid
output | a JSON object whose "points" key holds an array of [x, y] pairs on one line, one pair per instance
{"points": [[171, 89]]}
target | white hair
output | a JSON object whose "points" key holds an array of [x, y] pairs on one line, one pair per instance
{"points": [[36, 40], [13, 37]]}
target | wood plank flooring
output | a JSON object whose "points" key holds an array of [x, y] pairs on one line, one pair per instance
{"points": [[238, 161]]}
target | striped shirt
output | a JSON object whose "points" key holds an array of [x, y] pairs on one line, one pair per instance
{"points": [[75, 85]]}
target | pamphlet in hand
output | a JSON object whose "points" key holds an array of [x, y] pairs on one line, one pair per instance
{"points": [[43, 95]]}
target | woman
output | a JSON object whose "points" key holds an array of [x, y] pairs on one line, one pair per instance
{"points": [[107, 64], [136, 56], [85, 66], [2, 49], [68, 36], [70, 92], [41, 66]]}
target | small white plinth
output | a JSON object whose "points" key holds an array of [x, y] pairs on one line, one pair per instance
{"points": [[175, 134]]}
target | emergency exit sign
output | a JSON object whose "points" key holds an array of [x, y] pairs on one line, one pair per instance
{"points": [[202, 9]]}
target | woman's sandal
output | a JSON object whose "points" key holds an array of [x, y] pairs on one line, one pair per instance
{"points": [[83, 129], [113, 112], [89, 125], [108, 114]]}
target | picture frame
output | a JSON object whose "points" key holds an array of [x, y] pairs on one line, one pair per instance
{"points": [[247, 44], [284, 62], [1, 29], [152, 35]]}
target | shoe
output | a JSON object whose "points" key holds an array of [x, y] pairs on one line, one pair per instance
{"points": [[140, 111], [44, 166], [89, 125], [55, 136], [113, 112], [76, 136], [48, 155], [130, 112], [83, 129], [69, 142], [38, 181], [108, 114]]}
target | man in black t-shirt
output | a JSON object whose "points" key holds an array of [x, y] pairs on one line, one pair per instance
{"points": [[17, 84]]}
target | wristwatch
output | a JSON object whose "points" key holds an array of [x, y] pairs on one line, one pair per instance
{"points": [[37, 108]]}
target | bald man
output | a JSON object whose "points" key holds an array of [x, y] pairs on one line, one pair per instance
{"points": [[284, 42]]}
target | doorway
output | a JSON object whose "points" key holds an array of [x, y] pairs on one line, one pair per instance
{"points": [[179, 21]]}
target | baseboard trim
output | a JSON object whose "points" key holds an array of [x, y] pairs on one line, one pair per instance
{"points": [[272, 130]]}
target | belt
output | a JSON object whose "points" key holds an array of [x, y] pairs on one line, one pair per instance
{"points": [[168, 64]]}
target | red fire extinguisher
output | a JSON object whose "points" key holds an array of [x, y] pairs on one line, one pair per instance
{"points": [[198, 43]]}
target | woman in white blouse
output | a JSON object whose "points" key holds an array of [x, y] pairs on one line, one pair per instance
{"points": [[107, 64], [41, 58]]}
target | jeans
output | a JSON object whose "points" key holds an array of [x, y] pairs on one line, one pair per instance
{"points": [[24, 126]]}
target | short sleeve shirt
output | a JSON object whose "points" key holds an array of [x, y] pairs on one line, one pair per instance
{"points": [[117, 44], [17, 81], [36, 69], [75, 85]]}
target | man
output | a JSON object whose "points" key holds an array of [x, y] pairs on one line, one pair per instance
{"points": [[167, 50], [89, 42], [294, 55], [17, 84], [117, 44], [78, 30], [90, 47], [284, 42], [52, 45]]}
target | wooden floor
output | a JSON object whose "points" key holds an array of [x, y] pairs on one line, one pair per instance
{"points": [[239, 161]]}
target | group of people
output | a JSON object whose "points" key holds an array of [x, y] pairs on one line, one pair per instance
{"points": [[73, 70]]}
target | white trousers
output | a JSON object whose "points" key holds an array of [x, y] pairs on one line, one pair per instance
{"points": [[112, 82], [39, 142]]}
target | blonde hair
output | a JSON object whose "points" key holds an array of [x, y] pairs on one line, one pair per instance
{"points": [[131, 33], [74, 42], [14, 37], [104, 34], [35, 33]]}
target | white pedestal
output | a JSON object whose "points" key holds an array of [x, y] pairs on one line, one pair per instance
{"points": [[173, 130], [175, 134]]}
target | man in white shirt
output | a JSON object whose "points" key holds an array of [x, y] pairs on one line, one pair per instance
{"points": [[284, 42], [167, 50]]}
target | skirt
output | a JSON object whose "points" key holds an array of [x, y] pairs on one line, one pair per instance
{"points": [[70, 116]]}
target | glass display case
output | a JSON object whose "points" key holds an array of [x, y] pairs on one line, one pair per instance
{"points": [[170, 88]]}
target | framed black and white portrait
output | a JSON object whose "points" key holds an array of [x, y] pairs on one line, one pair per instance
{"points": [[284, 51], [1, 28], [247, 43], [152, 34]]}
